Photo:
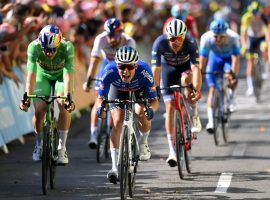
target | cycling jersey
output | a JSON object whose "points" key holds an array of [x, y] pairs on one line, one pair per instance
{"points": [[142, 80], [52, 69], [102, 48], [230, 47], [173, 64], [253, 28], [219, 58]]}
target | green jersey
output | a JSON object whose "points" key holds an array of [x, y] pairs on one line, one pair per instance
{"points": [[61, 63]]}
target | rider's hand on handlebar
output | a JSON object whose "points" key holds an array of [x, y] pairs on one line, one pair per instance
{"points": [[101, 112], [24, 105], [149, 113], [69, 105], [197, 96]]}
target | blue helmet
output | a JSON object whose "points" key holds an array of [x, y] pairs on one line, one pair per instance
{"points": [[50, 37], [219, 26], [113, 25]]}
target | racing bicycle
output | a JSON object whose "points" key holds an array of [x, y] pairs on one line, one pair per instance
{"points": [[182, 130], [129, 148], [49, 139]]}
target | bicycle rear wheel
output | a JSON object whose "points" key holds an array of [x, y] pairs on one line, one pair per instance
{"points": [[217, 118], [124, 163], [179, 143], [257, 79], [45, 159], [188, 152], [133, 168], [102, 142]]}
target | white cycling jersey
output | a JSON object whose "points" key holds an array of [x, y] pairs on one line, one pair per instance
{"points": [[102, 47]]}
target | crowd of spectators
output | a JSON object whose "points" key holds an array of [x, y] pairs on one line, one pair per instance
{"points": [[81, 20]]}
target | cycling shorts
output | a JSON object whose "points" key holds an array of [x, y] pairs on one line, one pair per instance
{"points": [[171, 75], [253, 45], [122, 95], [216, 64]]}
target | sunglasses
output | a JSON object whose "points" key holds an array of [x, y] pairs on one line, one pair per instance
{"points": [[49, 50], [115, 35], [126, 66], [178, 39], [219, 36]]}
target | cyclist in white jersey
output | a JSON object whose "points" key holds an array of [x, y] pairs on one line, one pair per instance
{"points": [[104, 49]]}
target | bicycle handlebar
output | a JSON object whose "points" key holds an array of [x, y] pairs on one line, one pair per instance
{"points": [[47, 99], [178, 87]]}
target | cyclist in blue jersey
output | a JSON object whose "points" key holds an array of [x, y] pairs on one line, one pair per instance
{"points": [[105, 46], [127, 73], [175, 61], [221, 48]]}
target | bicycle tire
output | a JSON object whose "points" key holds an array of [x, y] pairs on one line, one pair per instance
{"points": [[226, 117], [188, 152], [102, 141], [179, 143], [45, 159], [124, 163], [217, 118], [54, 154], [257, 79], [133, 168]]}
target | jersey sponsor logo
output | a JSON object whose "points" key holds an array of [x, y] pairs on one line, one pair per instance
{"points": [[51, 67], [147, 75]]}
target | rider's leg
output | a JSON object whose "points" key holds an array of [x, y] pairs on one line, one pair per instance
{"points": [[93, 128], [249, 72], [210, 114]]}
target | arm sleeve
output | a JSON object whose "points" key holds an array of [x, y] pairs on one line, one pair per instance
{"points": [[106, 80], [96, 50], [204, 47], [69, 63], [236, 46], [149, 86], [31, 58], [156, 54]]}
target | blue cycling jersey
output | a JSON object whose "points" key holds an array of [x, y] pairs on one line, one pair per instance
{"points": [[162, 53], [143, 79]]}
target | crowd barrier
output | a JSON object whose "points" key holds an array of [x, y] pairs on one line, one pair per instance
{"points": [[15, 123]]}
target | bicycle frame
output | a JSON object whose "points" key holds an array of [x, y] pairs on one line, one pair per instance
{"points": [[180, 105]]}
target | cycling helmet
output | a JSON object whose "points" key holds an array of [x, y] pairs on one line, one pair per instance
{"points": [[219, 26], [175, 28], [180, 11], [113, 25], [126, 55], [50, 37]]}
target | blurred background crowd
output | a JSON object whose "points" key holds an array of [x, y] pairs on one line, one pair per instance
{"points": [[81, 20]]}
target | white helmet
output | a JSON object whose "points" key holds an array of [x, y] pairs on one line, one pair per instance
{"points": [[175, 28], [126, 55]]}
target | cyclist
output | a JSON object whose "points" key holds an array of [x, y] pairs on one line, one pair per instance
{"points": [[105, 46], [175, 56], [253, 33], [221, 48], [180, 11], [50, 58], [127, 73]]}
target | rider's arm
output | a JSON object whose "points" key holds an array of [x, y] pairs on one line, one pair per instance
{"points": [[235, 63], [156, 61], [31, 68], [156, 74], [197, 76], [204, 51], [93, 65], [69, 70], [30, 82], [203, 62], [245, 23]]}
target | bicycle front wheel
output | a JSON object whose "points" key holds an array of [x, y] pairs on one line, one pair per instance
{"points": [[103, 141], [217, 118], [53, 157], [45, 159], [179, 144], [133, 167], [226, 116], [124, 163], [257, 79]]}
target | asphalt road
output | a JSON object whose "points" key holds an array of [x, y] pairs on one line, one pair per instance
{"points": [[239, 169]]}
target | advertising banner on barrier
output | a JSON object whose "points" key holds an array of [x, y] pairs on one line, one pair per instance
{"points": [[13, 123]]}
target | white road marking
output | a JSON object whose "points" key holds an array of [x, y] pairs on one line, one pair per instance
{"points": [[224, 182], [239, 150]]}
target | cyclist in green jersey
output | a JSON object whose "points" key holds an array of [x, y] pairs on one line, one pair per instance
{"points": [[50, 59]]}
